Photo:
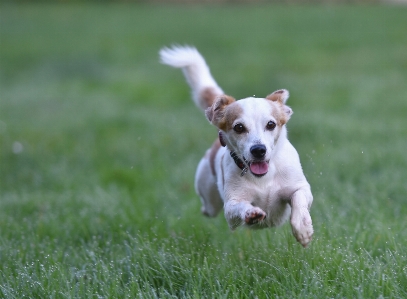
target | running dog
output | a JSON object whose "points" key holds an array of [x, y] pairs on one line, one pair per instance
{"points": [[251, 170]]}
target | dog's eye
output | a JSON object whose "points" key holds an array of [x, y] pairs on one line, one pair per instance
{"points": [[239, 128], [271, 125]]}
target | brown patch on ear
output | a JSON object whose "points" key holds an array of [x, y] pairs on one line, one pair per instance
{"points": [[281, 112], [207, 97], [216, 112], [280, 95]]}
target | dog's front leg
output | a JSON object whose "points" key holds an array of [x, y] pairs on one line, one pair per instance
{"points": [[301, 222], [242, 212]]}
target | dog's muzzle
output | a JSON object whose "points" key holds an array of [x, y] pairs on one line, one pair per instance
{"points": [[258, 167]]}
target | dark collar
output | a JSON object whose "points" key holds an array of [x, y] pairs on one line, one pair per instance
{"points": [[241, 164]]}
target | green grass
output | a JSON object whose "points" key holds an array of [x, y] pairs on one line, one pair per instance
{"points": [[99, 144]]}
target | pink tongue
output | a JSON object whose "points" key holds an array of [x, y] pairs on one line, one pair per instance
{"points": [[259, 167]]}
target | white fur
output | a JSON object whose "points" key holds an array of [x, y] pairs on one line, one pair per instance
{"points": [[254, 200]]}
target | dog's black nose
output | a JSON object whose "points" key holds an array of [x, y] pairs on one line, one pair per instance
{"points": [[258, 150]]}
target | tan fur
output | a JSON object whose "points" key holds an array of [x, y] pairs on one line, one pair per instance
{"points": [[276, 96], [278, 113], [231, 113], [207, 97], [217, 113], [281, 112]]}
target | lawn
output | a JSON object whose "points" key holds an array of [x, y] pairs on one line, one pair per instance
{"points": [[99, 145]]}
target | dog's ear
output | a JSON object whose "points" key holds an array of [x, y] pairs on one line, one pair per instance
{"points": [[280, 95], [215, 113], [288, 111]]}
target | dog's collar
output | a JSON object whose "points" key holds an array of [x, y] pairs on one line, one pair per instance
{"points": [[241, 164]]}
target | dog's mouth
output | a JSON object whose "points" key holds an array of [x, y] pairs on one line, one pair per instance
{"points": [[259, 168]]}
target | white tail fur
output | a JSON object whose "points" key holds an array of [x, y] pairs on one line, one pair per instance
{"points": [[204, 87]]}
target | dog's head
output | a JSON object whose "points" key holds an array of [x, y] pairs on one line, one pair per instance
{"points": [[252, 127]]}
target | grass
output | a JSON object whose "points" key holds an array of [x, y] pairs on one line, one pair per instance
{"points": [[99, 144]]}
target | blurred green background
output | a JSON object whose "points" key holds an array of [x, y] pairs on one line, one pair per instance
{"points": [[99, 145]]}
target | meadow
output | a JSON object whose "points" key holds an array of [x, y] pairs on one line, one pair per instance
{"points": [[99, 145]]}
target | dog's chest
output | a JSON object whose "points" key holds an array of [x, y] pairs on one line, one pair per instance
{"points": [[267, 195]]}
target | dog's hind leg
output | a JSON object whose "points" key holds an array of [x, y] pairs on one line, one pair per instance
{"points": [[205, 186]]}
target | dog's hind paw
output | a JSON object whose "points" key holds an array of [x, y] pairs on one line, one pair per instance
{"points": [[254, 215]]}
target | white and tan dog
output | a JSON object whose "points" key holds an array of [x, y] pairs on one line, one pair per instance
{"points": [[252, 170]]}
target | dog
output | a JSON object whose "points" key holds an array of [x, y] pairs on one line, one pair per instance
{"points": [[251, 170]]}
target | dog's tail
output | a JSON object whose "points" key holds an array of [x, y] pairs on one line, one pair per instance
{"points": [[204, 87]]}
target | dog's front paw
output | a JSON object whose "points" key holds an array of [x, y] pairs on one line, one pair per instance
{"points": [[254, 215], [301, 224]]}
